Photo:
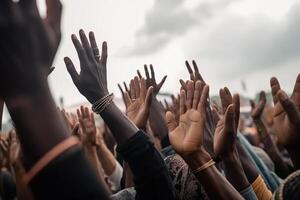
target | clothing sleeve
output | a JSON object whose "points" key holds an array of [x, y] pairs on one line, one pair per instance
{"points": [[68, 176], [248, 193], [116, 176], [151, 177]]}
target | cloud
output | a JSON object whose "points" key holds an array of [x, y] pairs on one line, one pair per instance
{"points": [[169, 19], [238, 45]]}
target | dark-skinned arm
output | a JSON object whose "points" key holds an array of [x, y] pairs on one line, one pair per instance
{"points": [[134, 145]]}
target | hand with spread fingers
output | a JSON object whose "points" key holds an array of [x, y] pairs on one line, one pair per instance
{"points": [[151, 81], [187, 136], [194, 75], [257, 110], [88, 126], [286, 114], [22, 28], [138, 103], [226, 130], [92, 79]]}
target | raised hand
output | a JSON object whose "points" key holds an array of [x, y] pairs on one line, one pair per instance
{"points": [[92, 79], [138, 103], [151, 81], [22, 29], [187, 136], [257, 110], [88, 126], [226, 129], [286, 115], [194, 75]]}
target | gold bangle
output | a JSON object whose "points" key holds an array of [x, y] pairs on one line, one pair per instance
{"points": [[211, 162]]}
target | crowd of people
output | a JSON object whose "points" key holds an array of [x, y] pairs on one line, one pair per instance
{"points": [[187, 149]]}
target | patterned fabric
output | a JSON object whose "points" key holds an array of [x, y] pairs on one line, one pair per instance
{"points": [[186, 184], [126, 194]]}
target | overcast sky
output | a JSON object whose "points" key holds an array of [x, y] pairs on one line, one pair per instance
{"points": [[231, 40]]}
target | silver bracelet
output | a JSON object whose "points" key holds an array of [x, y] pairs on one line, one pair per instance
{"points": [[100, 105]]}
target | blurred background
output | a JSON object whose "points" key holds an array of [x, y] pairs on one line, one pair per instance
{"points": [[236, 43]]}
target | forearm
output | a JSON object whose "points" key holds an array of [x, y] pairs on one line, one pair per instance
{"points": [[23, 191], [151, 177], [214, 183], [249, 168], [157, 120], [121, 127], [107, 159], [281, 168], [92, 155], [39, 126], [234, 172]]}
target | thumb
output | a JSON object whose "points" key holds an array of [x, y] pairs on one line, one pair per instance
{"points": [[171, 122], [148, 99], [230, 119]]}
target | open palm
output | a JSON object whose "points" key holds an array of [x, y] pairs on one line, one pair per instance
{"points": [[286, 114], [187, 137], [138, 102]]}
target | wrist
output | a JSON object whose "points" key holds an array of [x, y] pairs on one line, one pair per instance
{"points": [[197, 159]]}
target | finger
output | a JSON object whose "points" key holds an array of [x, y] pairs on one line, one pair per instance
{"points": [[86, 45], [189, 70], [171, 121], [190, 93], [80, 50], [152, 72], [197, 73], [162, 82], [126, 87], [183, 85], [51, 69], [104, 54], [149, 98], [93, 119], [236, 103], [216, 115], [139, 74], [182, 106], [289, 107], [121, 90], [94, 46], [230, 125], [54, 13], [275, 86], [71, 69], [87, 113], [296, 92], [132, 90], [167, 104], [76, 129], [82, 112], [203, 100], [197, 94], [137, 87], [252, 104], [146, 72], [127, 99], [143, 89], [78, 114]]}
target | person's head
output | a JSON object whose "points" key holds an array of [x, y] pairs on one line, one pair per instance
{"points": [[290, 188]]}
